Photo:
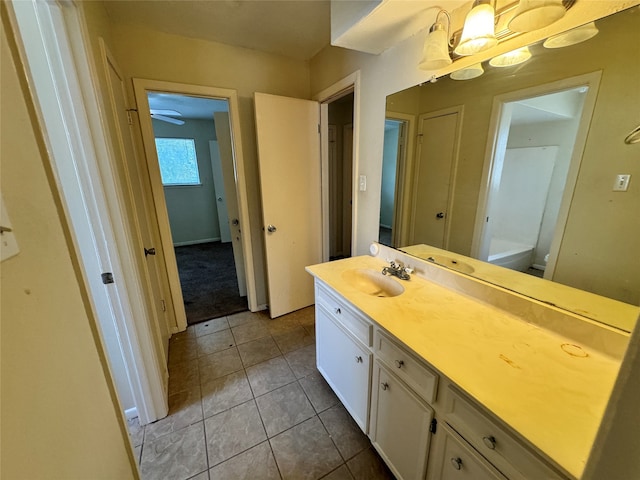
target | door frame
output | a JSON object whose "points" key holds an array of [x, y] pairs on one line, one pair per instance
{"points": [[404, 170], [141, 87], [459, 111], [497, 142], [344, 86], [68, 109]]}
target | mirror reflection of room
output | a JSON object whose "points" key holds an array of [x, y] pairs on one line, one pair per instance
{"points": [[530, 184]]}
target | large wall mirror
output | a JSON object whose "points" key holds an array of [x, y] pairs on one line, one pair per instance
{"points": [[525, 167]]}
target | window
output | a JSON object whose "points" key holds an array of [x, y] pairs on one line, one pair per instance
{"points": [[178, 161]]}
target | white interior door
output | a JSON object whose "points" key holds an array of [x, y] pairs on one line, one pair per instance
{"points": [[433, 179], [288, 138], [225, 145], [221, 199]]}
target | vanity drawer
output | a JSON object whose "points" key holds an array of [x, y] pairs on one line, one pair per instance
{"points": [[344, 314], [454, 459], [492, 440], [414, 373]]}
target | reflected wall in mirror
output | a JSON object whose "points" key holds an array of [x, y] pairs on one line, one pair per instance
{"points": [[531, 151]]}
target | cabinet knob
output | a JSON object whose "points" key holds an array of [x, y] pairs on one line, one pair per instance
{"points": [[358, 359], [456, 463], [384, 385], [399, 363], [338, 311], [490, 442]]}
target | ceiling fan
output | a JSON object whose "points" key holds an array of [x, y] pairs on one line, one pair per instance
{"points": [[167, 116]]}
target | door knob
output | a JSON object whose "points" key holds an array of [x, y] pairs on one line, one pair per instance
{"points": [[271, 228], [440, 215], [149, 251]]}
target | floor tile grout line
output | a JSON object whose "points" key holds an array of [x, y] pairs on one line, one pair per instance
{"points": [[297, 379]]}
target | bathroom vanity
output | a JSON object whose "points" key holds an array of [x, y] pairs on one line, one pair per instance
{"points": [[452, 377]]}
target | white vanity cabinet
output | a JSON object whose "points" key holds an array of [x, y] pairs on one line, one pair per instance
{"points": [[401, 415], [400, 425], [342, 356], [394, 395]]}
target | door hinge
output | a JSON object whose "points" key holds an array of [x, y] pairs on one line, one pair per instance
{"points": [[434, 426], [318, 128], [129, 117], [107, 278], [164, 305], [420, 135]]}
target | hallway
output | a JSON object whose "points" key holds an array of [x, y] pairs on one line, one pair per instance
{"points": [[246, 401]]}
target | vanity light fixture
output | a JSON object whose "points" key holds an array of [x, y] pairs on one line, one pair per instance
{"points": [[573, 36], [633, 137], [472, 71], [534, 14], [435, 54], [478, 33], [509, 59]]}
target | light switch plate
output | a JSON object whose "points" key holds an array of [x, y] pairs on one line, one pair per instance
{"points": [[8, 243], [362, 182], [622, 183]]}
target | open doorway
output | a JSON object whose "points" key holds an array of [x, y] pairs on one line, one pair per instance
{"points": [[538, 146], [393, 156], [166, 112], [340, 117], [193, 147]]}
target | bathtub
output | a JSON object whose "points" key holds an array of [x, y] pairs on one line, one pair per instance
{"points": [[508, 254]]}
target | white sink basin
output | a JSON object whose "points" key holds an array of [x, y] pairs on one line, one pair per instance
{"points": [[373, 282], [451, 263]]}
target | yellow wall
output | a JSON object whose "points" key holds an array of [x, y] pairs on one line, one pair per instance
{"points": [[144, 53], [60, 418]]}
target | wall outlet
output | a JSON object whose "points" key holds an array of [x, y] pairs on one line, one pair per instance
{"points": [[622, 183]]}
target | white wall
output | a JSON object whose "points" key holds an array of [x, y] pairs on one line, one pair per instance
{"points": [[563, 135], [60, 416], [193, 214], [516, 213]]}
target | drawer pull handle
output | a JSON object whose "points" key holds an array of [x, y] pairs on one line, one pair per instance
{"points": [[399, 363], [456, 463], [338, 311], [358, 359], [490, 442], [385, 385]]}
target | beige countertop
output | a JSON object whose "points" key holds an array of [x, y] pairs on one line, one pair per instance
{"points": [[549, 390]]}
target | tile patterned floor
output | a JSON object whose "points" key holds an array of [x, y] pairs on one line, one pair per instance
{"points": [[247, 402]]}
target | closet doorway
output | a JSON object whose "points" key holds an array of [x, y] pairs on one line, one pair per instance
{"points": [[340, 117]]}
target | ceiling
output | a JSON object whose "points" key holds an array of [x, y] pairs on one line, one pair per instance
{"points": [[297, 29], [188, 107]]}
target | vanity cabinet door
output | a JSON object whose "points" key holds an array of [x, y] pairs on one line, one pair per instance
{"points": [[453, 459], [400, 425], [346, 366]]}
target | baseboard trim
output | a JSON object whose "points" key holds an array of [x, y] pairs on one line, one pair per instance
{"points": [[130, 413], [196, 242]]}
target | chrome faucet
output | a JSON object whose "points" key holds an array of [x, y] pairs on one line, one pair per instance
{"points": [[397, 269]]}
